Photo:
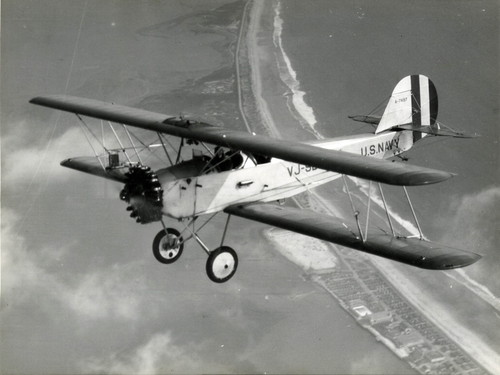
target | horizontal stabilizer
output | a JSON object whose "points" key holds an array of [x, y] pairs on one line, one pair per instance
{"points": [[374, 120], [412, 251], [434, 130], [91, 165]]}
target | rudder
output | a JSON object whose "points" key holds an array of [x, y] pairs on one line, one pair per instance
{"points": [[413, 101]]}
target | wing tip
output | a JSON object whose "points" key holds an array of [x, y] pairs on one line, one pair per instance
{"points": [[35, 100], [46, 100], [448, 261], [428, 177]]}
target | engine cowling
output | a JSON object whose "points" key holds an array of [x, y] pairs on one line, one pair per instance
{"points": [[144, 193]]}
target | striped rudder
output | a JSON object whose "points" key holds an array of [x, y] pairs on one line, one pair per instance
{"points": [[414, 101]]}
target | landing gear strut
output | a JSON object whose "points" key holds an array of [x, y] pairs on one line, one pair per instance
{"points": [[221, 263]]}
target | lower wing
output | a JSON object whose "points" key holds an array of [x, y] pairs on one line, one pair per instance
{"points": [[412, 251], [91, 165]]}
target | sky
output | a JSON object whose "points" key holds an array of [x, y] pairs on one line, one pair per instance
{"points": [[81, 291]]}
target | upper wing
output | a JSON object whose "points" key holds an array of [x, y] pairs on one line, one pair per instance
{"points": [[384, 171], [413, 251]]}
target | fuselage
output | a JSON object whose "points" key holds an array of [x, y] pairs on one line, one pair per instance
{"points": [[271, 181]]}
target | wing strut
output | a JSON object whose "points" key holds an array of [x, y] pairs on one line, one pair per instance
{"points": [[165, 148], [356, 212], [414, 215], [364, 236], [179, 151], [368, 209], [386, 210], [131, 142], [120, 143]]}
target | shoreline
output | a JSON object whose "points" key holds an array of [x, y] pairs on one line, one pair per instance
{"points": [[294, 95], [433, 311]]}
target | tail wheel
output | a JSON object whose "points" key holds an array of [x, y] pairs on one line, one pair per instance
{"points": [[222, 264], [167, 246]]}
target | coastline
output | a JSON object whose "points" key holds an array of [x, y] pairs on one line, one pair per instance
{"points": [[268, 95], [438, 314]]}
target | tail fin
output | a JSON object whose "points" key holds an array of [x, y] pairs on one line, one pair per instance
{"points": [[413, 103]]}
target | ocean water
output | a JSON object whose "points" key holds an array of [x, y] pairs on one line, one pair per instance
{"points": [[344, 58]]}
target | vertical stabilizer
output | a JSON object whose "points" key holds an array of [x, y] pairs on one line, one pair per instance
{"points": [[413, 101]]}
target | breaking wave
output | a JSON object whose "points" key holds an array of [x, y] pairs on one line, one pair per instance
{"points": [[295, 98]]}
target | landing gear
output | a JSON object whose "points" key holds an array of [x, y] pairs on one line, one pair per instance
{"points": [[221, 264], [168, 245]]}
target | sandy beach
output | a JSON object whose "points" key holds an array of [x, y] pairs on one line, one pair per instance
{"points": [[309, 253]]}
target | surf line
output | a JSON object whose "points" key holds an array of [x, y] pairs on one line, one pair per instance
{"points": [[301, 111]]}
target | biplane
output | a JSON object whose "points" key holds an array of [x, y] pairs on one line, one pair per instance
{"points": [[245, 174]]}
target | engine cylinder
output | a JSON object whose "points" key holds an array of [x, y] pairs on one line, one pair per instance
{"points": [[144, 193]]}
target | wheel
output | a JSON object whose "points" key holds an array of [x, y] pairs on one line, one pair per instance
{"points": [[168, 246], [222, 264]]}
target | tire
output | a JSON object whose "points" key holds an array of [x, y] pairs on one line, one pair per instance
{"points": [[164, 248], [222, 264]]}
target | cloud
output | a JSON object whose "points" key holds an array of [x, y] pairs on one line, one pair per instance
{"points": [[107, 294], [25, 159], [159, 355], [37, 273], [473, 223], [23, 274], [478, 215], [31, 269]]}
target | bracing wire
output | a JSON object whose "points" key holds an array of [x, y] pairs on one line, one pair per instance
{"points": [[56, 123]]}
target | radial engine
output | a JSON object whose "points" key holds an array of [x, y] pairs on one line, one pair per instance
{"points": [[143, 193]]}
